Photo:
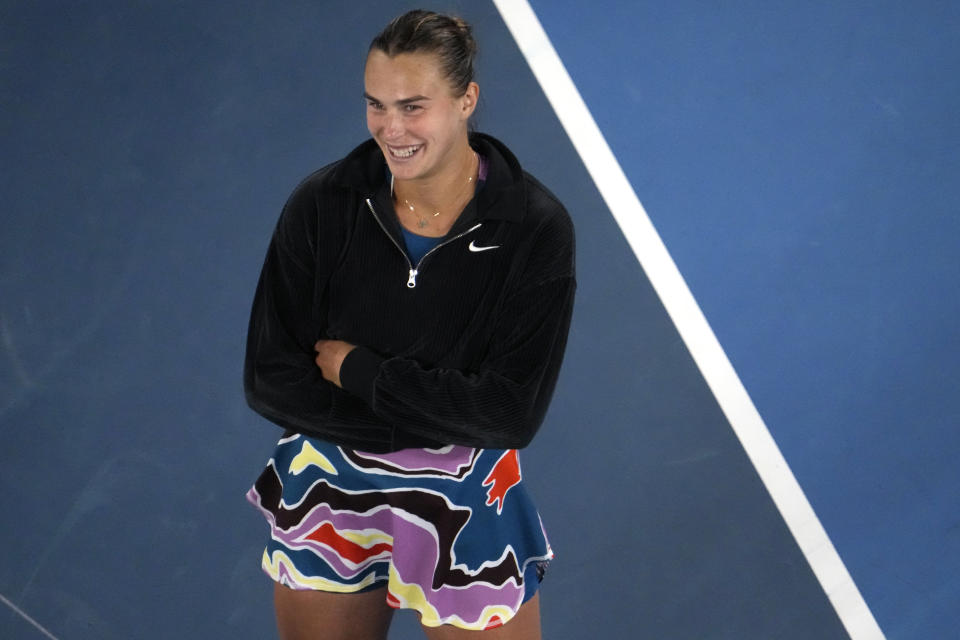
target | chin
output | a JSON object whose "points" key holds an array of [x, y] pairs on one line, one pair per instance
{"points": [[407, 171]]}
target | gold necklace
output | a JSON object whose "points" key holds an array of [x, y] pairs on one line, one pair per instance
{"points": [[421, 221], [424, 221]]}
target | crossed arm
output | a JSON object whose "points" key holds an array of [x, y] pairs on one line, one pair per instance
{"points": [[330, 356]]}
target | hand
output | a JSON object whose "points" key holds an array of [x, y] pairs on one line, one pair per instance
{"points": [[330, 355]]}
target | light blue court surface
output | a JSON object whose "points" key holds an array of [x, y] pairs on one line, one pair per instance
{"points": [[800, 163]]}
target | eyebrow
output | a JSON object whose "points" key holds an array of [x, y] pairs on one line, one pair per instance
{"points": [[399, 103]]}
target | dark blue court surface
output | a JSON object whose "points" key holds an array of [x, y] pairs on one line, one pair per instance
{"points": [[799, 163]]}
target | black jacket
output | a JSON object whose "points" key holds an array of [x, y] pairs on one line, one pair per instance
{"points": [[465, 350]]}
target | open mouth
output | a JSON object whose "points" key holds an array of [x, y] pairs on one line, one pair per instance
{"points": [[403, 153]]}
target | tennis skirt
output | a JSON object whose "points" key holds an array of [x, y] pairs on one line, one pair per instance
{"points": [[451, 532]]}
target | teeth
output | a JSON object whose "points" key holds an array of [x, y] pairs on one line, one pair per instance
{"points": [[404, 152]]}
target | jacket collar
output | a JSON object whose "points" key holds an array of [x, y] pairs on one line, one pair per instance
{"points": [[502, 197]]}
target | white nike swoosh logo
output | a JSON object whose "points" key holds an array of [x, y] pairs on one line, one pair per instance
{"points": [[476, 249]]}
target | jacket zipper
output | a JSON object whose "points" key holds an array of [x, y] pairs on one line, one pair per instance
{"points": [[415, 270]]}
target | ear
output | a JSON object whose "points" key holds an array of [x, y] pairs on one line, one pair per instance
{"points": [[468, 101]]}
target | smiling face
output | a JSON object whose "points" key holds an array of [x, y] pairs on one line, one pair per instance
{"points": [[413, 115]]}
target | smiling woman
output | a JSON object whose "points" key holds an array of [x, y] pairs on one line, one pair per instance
{"points": [[407, 330], [418, 118]]}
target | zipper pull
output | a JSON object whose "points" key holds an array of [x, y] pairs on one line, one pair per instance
{"points": [[412, 279]]}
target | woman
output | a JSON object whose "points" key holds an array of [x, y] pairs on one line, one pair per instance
{"points": [[407, 331]]}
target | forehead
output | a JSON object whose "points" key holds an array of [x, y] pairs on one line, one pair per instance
{"points": [[403, 74]]}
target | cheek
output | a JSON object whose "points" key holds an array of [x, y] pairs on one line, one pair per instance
{"points": [[451, 127], [435, 127]]}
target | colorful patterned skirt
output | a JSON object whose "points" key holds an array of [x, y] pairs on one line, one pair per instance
{"points": [[451, 532]]}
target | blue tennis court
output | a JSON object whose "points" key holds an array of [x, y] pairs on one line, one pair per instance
{"points": [[755, 430]]}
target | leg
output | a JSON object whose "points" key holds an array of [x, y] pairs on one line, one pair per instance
{"points": [[523, 626], [319, 615]]}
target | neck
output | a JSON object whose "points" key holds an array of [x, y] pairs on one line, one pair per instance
{"points": [[443, 191]]}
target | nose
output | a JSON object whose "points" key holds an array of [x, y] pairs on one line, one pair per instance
{"points": [[392, 125]]}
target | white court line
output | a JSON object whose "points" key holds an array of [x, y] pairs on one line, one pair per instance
{"points": [[23, 615], [689, 319]]}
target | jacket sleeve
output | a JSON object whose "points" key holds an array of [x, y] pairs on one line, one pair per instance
{"points": [[281, 380], [501, 403]]}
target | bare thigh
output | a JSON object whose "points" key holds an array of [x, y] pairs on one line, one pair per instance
{"points": [[523, 626], [318, 615]]}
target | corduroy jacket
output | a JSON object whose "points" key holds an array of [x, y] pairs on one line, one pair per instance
{"points": [[463, 348]]}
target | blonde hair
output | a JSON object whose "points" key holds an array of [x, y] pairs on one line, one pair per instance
{"points": [[448, 37]]}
